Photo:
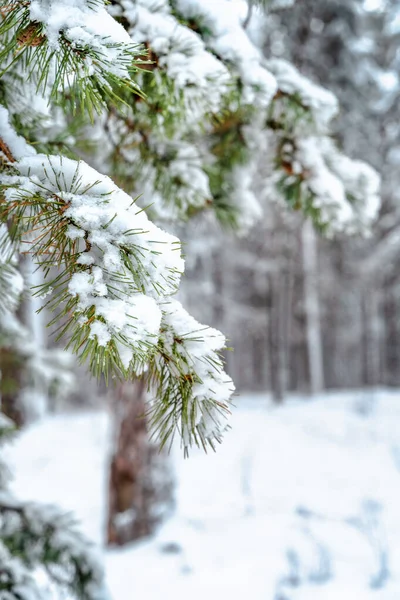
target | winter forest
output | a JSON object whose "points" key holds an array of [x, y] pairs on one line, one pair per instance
{"points": [[199, 299]]}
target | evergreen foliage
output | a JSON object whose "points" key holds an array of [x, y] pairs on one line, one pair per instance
{"points": [[177, 104]]}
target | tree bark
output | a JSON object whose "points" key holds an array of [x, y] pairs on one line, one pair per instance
{"points": [[140, 480]]}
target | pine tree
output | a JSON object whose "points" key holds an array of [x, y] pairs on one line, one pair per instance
{"points": [[176, 103]]}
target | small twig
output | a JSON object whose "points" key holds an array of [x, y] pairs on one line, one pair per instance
{"points": [[6, 151]]}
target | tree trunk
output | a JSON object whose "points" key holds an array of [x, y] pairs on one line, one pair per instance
{"points": [[140, 480], [281, 282], [277, 336], [11, 376], [372, 337], [312, 309]]}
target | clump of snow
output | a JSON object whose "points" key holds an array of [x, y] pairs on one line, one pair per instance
{"points": [[84, 24], [328, 190], [229, 40], [345, 191], [15, 143], [321, 102], [180, 53], [361, 183], [198, 339], [119, 239], [244, 199], [194, 349]]}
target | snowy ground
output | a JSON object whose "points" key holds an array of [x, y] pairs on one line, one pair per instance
{"points": [[300, 503]]}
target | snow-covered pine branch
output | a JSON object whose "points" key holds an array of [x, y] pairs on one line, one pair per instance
{"points": [[76, 47], [192, 392], [43, 536], [116, 273], [17, 581], [311, 174], [192, 154]]}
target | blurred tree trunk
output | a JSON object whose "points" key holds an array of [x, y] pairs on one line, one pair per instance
{"points": [[391, 335], [281, 284], [372, 349], [12, 372], [140, 480], [222, 275], [277, 368], [279, 332], [12, 363], [312, 309]]}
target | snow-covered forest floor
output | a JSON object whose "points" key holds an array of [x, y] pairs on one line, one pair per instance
{"points": [[301, 502]]}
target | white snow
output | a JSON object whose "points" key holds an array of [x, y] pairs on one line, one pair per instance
{"points": [[231, 43], [110, 221], [237, 522], [321, 102], [197, 347], [88, 25], [16, 143], [181, 52]]}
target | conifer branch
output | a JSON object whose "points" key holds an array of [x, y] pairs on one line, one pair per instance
{"points": [[82, 73], [106, 253], [45, 536]]}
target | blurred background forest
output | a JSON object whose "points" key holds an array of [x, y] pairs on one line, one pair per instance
{"points": [[302, 312]]}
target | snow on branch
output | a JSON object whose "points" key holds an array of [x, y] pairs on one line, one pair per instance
{"points": [[115, 261], [109, 274], [73, 46], [320, 104], [222, 28], [199, 79], [311, 174], [192, 391], [195, 152], [41, 535]]}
